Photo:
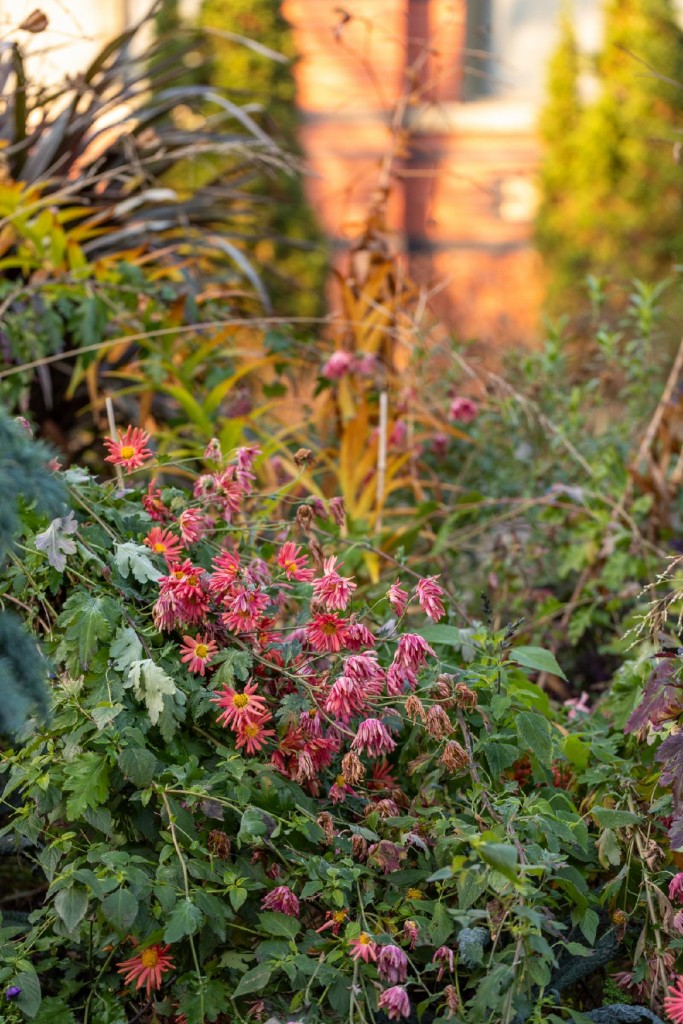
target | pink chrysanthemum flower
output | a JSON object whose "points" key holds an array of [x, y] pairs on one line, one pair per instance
{"points": [[677, 922], [364, 948], [240, 708], [332, 590], [337, 366], [293, 563], [194, 525], [397, 598], [245, 461], [163, 542], [400, 679], [673, 1003], [359, 637], [197, 652], [340, 789], [676, 888], [463, 410], [327, 632], [244, 609], [213, 452], [252, 735], [395, 1003], [229, 491], [347, 698], [334, 919], [364, 669], [282, 900], [372, 738], [443, 956], [130, 451], [147, 968], [392, 964], [412, 652], [182, 599], [154, 506], [226, 568], [429, 594]]}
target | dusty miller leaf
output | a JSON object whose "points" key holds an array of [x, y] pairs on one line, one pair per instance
{"points": [[125, 649], [131, 557], [55, 540], [150, 684]]}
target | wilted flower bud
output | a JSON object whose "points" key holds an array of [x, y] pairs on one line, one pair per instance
{"points": [[327, 825], [36, 22], [353, 768], [465, 698], [454, 757], [338, 511], [359, 847], [303, 457], [213, 450], [443, 688], [306, 768], [415, 708], [219, 844], [411, 933], [304, 518], [438, 722], [452, 999], [386, 808]]}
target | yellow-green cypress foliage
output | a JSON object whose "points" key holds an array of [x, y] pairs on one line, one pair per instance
{"points": [[612, 193]]}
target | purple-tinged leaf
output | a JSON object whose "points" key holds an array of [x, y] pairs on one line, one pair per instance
{"points": [[661, 700], [670, 756]]}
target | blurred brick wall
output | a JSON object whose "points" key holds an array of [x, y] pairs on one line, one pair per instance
{"points": [[464, 207]]}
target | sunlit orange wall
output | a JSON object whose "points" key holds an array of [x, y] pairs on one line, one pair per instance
{"points": [[464, 206]]}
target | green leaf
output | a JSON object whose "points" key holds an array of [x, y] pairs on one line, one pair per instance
{"points": [[53, 1011], [120, 909], [55, 541], [538, 659], [87, 778], [500, 856], [103, 714], [185, 919], [439, 633], [609, 851], [534, 734], [29, 1000], [134, 558], [125, 649], [499, 756], [606, 817], [279, 924], [255, 823], [150, 684], [138, 765], [254, 980], [89, 622], [576, 751], [441, 925], [589, 925], [71, 905]]}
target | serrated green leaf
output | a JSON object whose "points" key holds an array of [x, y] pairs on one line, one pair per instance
{"points": [[254, 980], [104, 714], [534, 734], [576, 751], [538, 659], [606, 817], [125, 649], [589, 925], [279, 924], [138, 765], [150, 684], [87, 779], [499, 756], [134, 558], [53, 1011], [185, 919], [71, 905], [120, 909], [89, 622]]}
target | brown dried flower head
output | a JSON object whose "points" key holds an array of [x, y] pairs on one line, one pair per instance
{"points": [[415, 708], [465, 698], [338, 511], [304, 518], [452, 1000], [438, 722], [327, 825], [219, 844], [303, 457], [454, 757], [359, 847], [352, 768]]}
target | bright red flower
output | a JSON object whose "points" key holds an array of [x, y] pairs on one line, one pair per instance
{"points": [[226, 568], [154, 506], [147, 968], [252, 735], [364, 669], [400, 679], [245, 461], [197, 652], [194, 524], [292, 562], [229, 491], [444, 956], [429, 594], [182, 599], [334, 919], [340, 789], [130, 451], [240, 708], [337, 366], [163, 542], [327, 632], [245, 608], [463, 410]]}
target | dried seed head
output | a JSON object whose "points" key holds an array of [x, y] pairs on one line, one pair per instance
{"points": [[219, 844], [36, 22], [338, 511], [304, 518], [438, 722], [443, 688], [415, 708], [327, 825], [353, 768], [303, 457], [454, 757], [359, 847], [465, 698]]}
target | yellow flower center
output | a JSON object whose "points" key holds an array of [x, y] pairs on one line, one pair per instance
{"points": [[364, 939], [201, 651], [414, 894], [341, 781], [240, 700], [159, 547], [329, 628], [127, 452], [179, 574], [192, 580], [251, 730], [149, 957], [338, 916], [290, 566]]}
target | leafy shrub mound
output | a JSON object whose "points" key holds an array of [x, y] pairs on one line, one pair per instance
{"points": [[270, 789]]}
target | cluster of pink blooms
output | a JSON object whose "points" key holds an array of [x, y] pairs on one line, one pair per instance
{"points": [[342, 362], [246, 603]]}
